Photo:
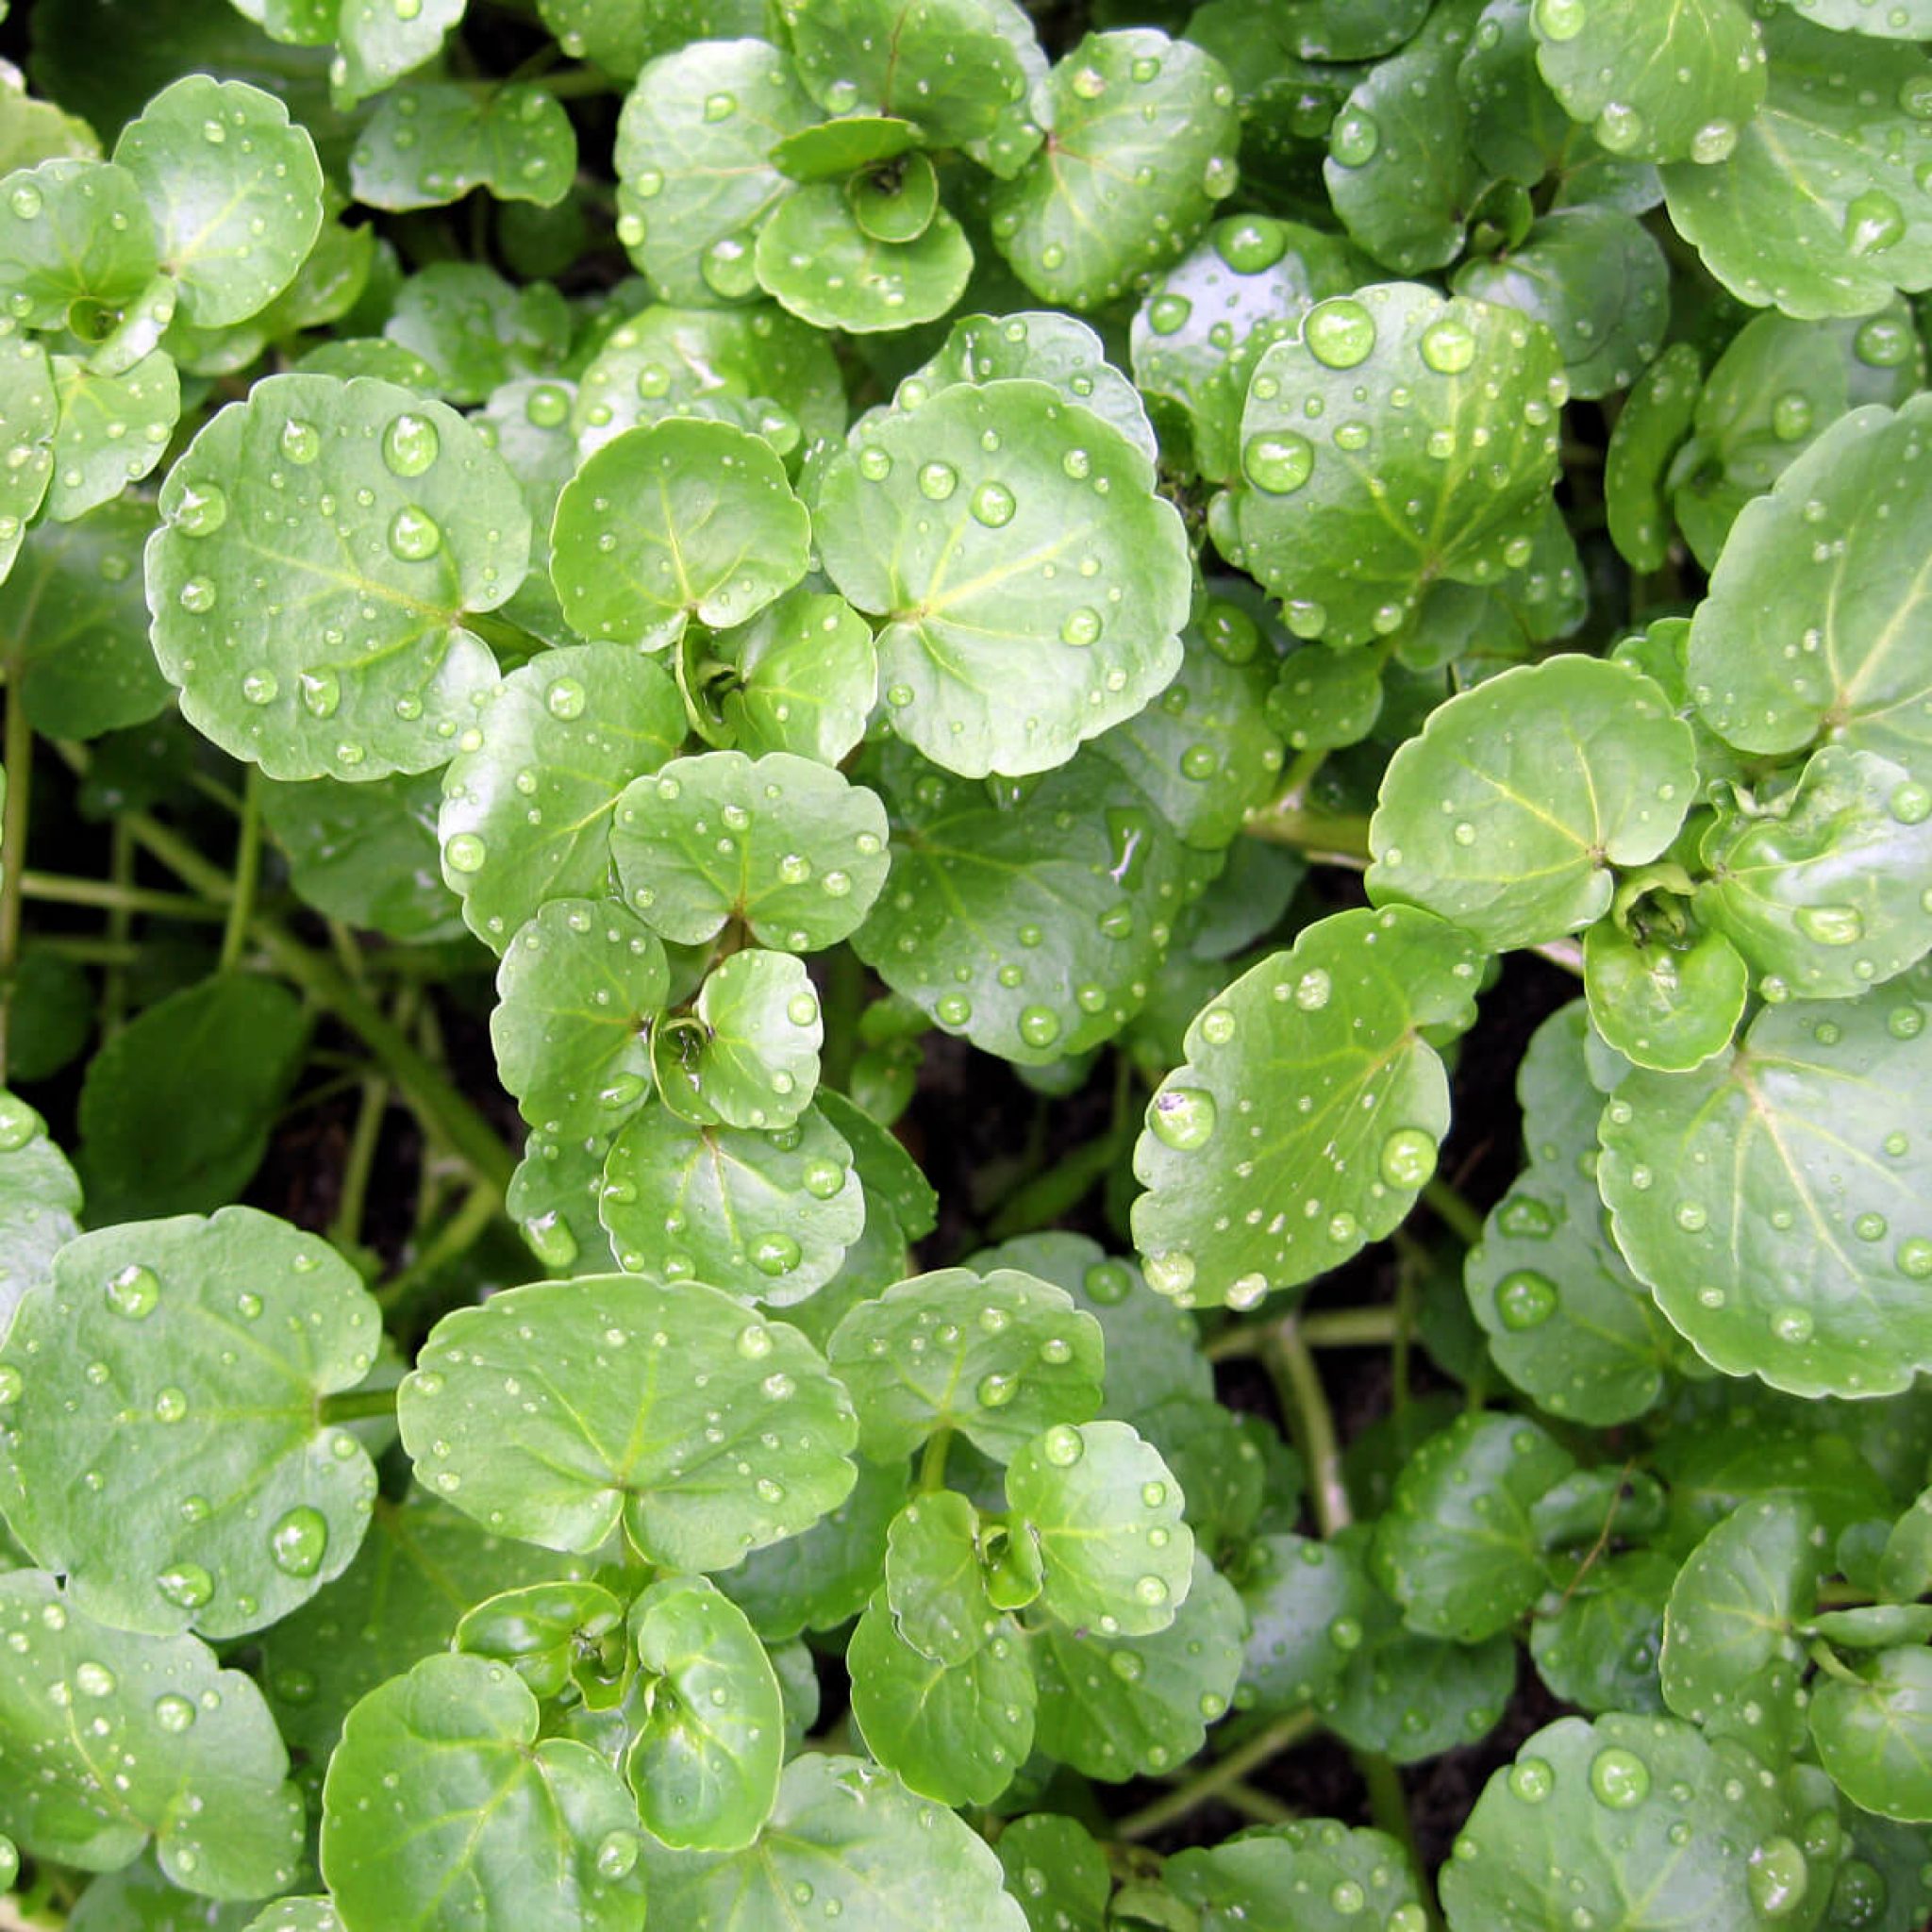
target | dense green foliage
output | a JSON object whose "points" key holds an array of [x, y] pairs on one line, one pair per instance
{"points": [[791, 786]]}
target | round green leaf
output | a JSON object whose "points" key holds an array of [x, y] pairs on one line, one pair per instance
{"points": [[1566, 1321], [1874, 1733], [1597, 281], [1202, 324], [815, 260], [806, 677], [419, 1569], [694, 180], [1777, 387], [1207, 752], [705, 1761], [1409, 1698], [1816, 209], [1144, 137], [553, 1198], [1732, 1660], [757, 368], [1508, 812], [477, 331], [1655, 418], [1822, 892], [855, 1837], [1596, 1642], [1306, 1603], [587, 1436], [784, 844], [1105, 1512], [834, 149], [537, 1630], [1310, 1875], [1308, 1094], [748, 1057], [946, 65], [366, 853], [1657, 80], [935, 1586], [896, 203], [1400, 172], [1118, 1707], [74, 625], [1457, 1548], [1319, 521], [1153, 1349], [111, 433], [1816, 566], [183, 1364], [108, 1739], [75, 236], [997, 1358], [1036, 927], [674, 521], [1668, 1002], [376, 44], [528, 802], [1627, 1819], [1035, 583], [427, 145], [1775, 1199], [1056, 1872], [313, 632], [769, 1213], [442, 1810], [40, 1204], [29, 412], [955, 1731], [577, 994], [234, 191]]}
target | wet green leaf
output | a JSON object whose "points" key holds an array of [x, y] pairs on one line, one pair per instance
{"points": [[40, 1204], [749, 1055], [816, 260], [62, 248], [427, 145]]}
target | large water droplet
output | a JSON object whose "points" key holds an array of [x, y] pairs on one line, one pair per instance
{"points": [[1448, 346], [202, 510], [992, 505], [1874, 222], [616, 1854], [1184, 1117], [1408, 1157], [134, 1291], [1339, 332], [411, 444], [187, 1585], [1619, 1779], [1279, 461], [1063, 1445], [414, 533], [775, 1254], [1779, 1876], [937, 480], [173, 1714], [465, 852], [1526, 1299], [1831, 925], [299, 1541], [1532, 1780], [301, 442]]}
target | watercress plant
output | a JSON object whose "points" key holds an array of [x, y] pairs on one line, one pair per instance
{"points": [[965, 966]]}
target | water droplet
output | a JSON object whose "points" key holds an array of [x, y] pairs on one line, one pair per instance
{"points": [[547, 406], [1339, 332], [1346, 1898], [1063, 1445], [26, 200], [414, 533], [565, 699], [201, 510], [720, 106], [197, 596], [465, 852], [1618, 128], [1089, 82], [299, 1540], [993, 505], [1183, 1116], [1354, 138], [1915, 1257], [616, 1854], [171, 1406], [173, 1714], [1619, 1779], [1278, 462], [1200, 762], [1874, 222], [1831, 925], [322, 692], [775, 1254], [1448, 346], [301, 442], [1884, 343], [1526, 1299], [134, 1291], [1039, 1027], [95, 1680], [1532, 1780], [937, 480], [187, 1585], [1778, 1877], [1168, 314], [1080, 627], [1151, 1590], [1910, 803], [1408, 1157], [411, 444], [995, 1391]]}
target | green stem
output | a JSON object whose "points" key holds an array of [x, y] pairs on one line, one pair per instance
{"points": [[353, 1405], [1453, 1211], [932, 1464], [843, 1001], [454, 1239], [345, 1229], [1282, 1735], [247, 873], [428, 1091], [17, 755], [120, 932], [1305, 1405], [1372, 1328], [1236, 1342], [1389, 1810], [1258, 1806], [53, 890], [1340, 839]]}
